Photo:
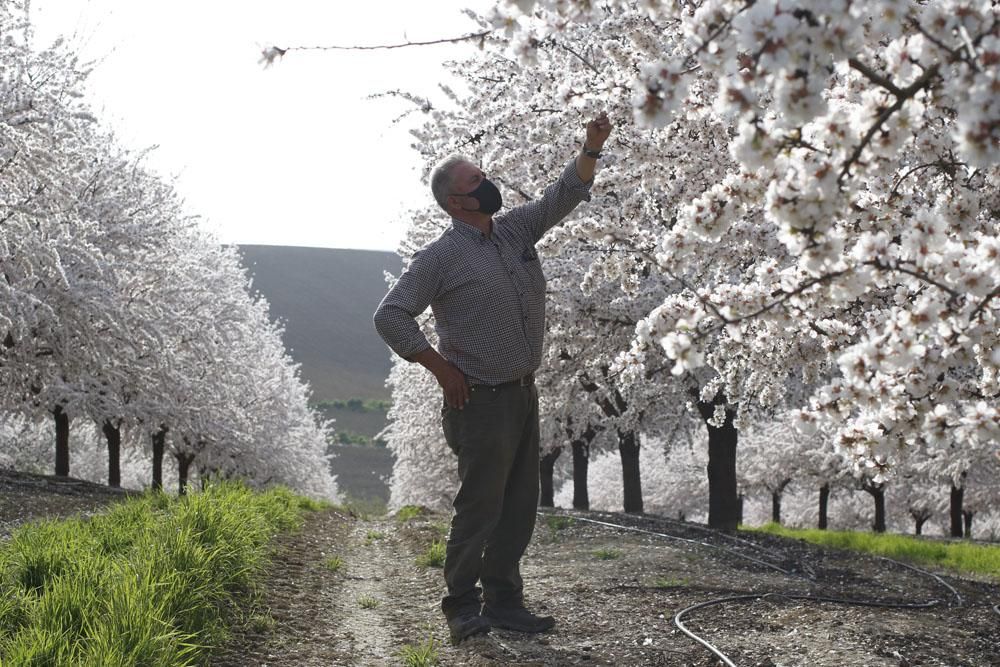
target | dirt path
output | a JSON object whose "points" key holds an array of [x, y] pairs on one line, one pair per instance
{"points": [[614, 594]]}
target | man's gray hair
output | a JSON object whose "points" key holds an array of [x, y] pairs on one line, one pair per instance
{"points": [[442, 183]]}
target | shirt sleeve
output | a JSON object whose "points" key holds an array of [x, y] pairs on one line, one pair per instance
{"points": [[559, 199], [395, 318]]}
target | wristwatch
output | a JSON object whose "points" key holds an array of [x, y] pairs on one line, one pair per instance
{"points": [[590, 153]]}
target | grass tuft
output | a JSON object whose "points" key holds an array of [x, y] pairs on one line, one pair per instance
{"points": [[607, 554], [559, 522], [367, 602], [441, 528], [423, 655], [408, 513], [334, 563], [963, 557], [144, 583], [434, 556]]}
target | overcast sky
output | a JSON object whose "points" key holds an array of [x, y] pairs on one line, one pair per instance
{"points": [[290, 155]]}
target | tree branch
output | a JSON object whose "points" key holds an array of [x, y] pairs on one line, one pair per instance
{"points": [[332, 47], [904, 94]]}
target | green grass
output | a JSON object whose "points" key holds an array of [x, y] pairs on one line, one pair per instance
{"points": [[408, 513], [559, 522], [434, 556], [145, 583], [367, 602], [334, 563], [607, 554], [424, 655], [441, 528], [961, 557], [373, 535]]}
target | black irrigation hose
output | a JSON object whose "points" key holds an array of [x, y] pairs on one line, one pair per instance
{"points": [[688, 541], [762, 596], [941, 581], [996, 608]]}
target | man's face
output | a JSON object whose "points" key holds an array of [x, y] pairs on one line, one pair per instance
{"points": [[466, 177]]}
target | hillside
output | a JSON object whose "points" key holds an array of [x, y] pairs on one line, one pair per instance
{"points": [[326, 298]]}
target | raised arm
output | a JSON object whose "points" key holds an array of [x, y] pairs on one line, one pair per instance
{"points": [[598, 131], [572, 187]]}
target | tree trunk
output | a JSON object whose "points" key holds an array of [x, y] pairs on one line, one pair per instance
{"points": [[113, 434], [159, 439], [62, 441], [918, 525], [776, 506], [723, 501], [628, 448], [968, 523], [824, 503], [877, 491], [957, 495], [581, 459], [183, 465], [547, 467]]}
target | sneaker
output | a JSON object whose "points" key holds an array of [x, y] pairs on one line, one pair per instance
{"points": [[465, 625], [518, 619]]}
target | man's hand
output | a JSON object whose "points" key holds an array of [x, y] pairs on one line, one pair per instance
{"points": [[598, 131], [452, 380]]}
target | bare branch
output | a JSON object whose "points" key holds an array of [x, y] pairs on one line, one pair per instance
{"points": [[582, 59], [874, 76], [332, 47]]}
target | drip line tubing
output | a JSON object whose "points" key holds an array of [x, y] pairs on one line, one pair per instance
{"points": [[688, 541], [679, 623], [764, 596]]}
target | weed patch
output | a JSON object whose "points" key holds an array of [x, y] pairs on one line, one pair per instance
{"points": [[367, 602], [434, 556], [607, 554], [962, 557], [559, 522], [408, 513], [334, 563], [423, 655], [144, 583]]}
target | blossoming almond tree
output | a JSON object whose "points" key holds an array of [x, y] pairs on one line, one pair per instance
{"points": [[854, 212], [116, 309]]}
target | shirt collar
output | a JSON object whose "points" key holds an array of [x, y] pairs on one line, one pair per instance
{"points": [[468, 230]]}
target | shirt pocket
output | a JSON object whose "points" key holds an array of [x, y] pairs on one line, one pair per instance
{"points": [[533, 267]]}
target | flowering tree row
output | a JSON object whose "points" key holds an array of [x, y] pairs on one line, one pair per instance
{"points": [[798, 211], [116, 309]]}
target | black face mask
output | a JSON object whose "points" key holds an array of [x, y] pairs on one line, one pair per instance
{"points": [[489, 198]]}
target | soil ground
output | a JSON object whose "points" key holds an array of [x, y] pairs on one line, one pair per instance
{"points": [[613, 591]]}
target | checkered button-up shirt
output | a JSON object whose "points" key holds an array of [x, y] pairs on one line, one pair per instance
{"points": [[487, 293]]}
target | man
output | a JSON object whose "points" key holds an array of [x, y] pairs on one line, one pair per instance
{"points": [[484, 283]]}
